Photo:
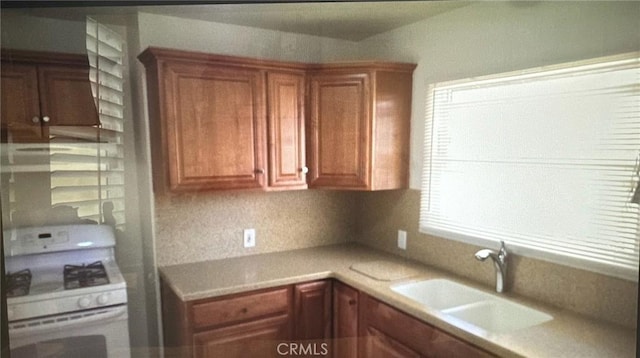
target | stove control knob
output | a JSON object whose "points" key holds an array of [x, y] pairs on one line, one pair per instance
{"points": [[84, 302], [103, 299]]}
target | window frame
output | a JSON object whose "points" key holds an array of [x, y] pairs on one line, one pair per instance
{"points": [[631, 58]]}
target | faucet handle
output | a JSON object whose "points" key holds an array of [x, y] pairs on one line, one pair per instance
{"points": [[503, 251]]}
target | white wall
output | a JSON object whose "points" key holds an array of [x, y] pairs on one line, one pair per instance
{"points": [[494, 37], [197, 35]]}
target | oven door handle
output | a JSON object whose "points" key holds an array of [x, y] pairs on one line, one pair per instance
{"points": [[48, 324]]}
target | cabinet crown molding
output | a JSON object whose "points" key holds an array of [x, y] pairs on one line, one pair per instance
{"points": [[41, 57], [153, 54]]}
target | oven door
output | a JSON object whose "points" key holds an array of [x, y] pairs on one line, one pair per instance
{"points": [[100, 333]]}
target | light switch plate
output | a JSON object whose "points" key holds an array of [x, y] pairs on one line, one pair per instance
{"points": [[402, 239], [249, 237]]}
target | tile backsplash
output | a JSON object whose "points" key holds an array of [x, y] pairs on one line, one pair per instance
{"points": [[591, 294], [209, 226]]}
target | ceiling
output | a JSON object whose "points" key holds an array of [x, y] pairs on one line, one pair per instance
{"points": [[352, 21], [342, 20]]}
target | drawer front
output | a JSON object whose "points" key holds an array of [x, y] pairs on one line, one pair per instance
{"points": [[241, 308]]}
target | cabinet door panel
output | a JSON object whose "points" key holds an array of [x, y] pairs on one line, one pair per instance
{"points": [[345, 321], [20, 102], [286, 130], [253, 339], [340, 131], [215, 128], [380, 345], [313, 310], [65, 96]]}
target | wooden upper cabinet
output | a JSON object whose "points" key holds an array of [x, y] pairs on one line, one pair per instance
{"points": [[42, 89], [222, 122], [65, 95], [359, 124], [340, 130], [286, 130], [20, 102], [214, 126]]}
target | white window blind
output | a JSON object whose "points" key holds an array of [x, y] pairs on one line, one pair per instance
{"points": [[545, 160], [87, 168]]}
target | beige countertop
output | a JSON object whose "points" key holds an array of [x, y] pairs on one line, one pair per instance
{"points": [[567, 335]]}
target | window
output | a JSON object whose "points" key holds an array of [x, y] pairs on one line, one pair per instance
{"points": [[87, 166], [545, 160]]}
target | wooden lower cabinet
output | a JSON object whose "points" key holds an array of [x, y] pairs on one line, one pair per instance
{"points": [[259, 338], [386, 332], [239, 325], [345, 321], [319, 318], [312, 311], [289, 320], [381, 345]]}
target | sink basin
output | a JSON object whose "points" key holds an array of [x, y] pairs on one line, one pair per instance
{"points": [[498, 315], [486, 311], [440, 294]]}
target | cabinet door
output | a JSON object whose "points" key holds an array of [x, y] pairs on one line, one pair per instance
{"points": [[65, 96], [380, 345], [20, 103], [312, 311], [345, 321], [285, 95], [215, 123], [258, 338], [383, 325], [340, 131]]}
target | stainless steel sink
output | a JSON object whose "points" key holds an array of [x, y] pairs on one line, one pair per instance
{"points": [[483, 310]]}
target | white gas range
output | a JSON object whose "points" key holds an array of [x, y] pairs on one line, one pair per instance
{"points": [[66, 296]]}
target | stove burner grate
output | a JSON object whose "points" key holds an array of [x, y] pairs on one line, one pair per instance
{"points": [[77, 276], [18, 283]]}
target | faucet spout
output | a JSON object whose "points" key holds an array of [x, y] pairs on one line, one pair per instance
{"points": [[499, 262]]}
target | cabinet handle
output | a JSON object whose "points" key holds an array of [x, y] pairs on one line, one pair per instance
{"points": [[35, 119], [259, 171], [352, 302], [304, 170], [244, 310], [45, 119]]}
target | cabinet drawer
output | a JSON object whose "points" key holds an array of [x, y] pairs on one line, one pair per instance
{"points": [[240, 308]]}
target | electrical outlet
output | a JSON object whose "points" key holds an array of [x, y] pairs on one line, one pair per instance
{"points": [[402, 239], [249, 237]]}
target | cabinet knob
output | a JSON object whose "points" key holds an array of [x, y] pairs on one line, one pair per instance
{"points": [[35, 119], [45, 119], [352, 302], [304, 170], [259, 171]]}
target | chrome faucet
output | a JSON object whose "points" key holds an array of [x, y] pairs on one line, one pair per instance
{"points": [[500, 263]]}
